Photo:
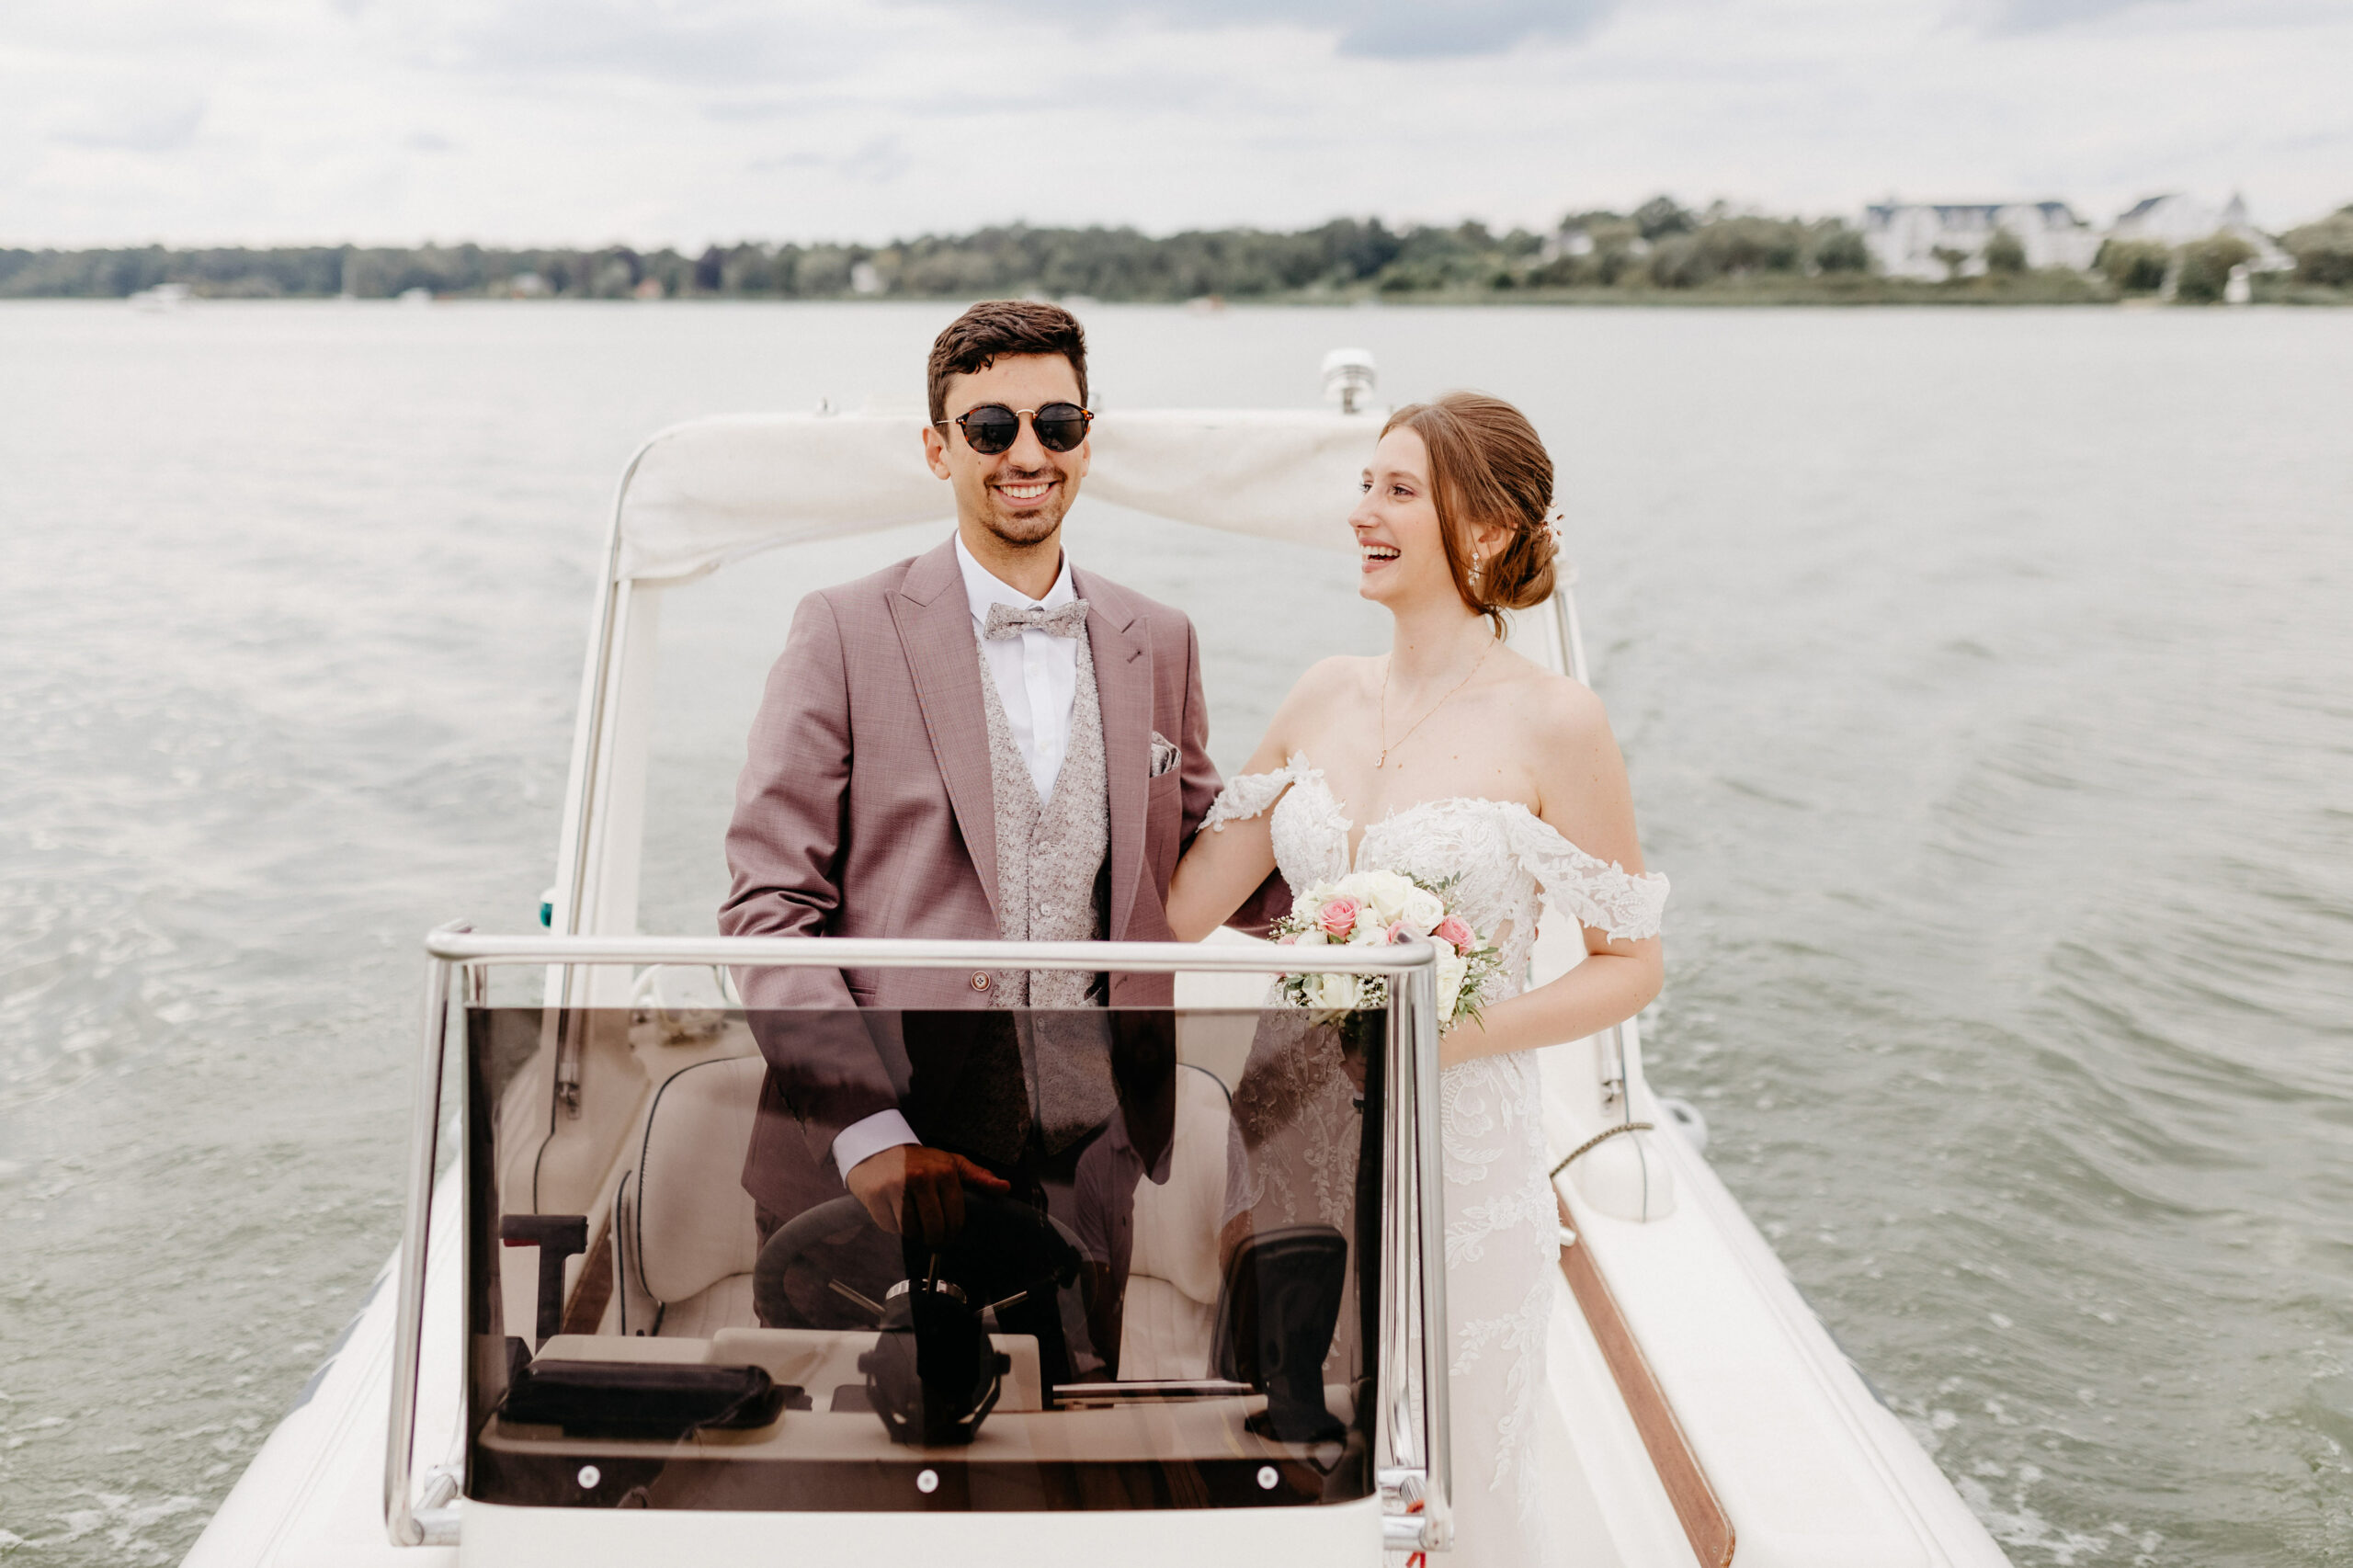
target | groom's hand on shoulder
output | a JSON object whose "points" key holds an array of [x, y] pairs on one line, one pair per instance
{"points": [[910, 1187]]}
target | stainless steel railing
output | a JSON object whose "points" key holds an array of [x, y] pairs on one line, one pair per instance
{"points": [[1421, 1447]]}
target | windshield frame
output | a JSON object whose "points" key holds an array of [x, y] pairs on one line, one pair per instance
{"points": [[1414, 1457]]}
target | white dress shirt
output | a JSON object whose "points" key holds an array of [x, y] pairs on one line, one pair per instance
{"points": [[1036, 681], [1036, 672]]}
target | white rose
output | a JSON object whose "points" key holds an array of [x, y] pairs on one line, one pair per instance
{"points": [[1369, 929], [1335, 992], [1387, 892], [1450, 971], [1312, 937], [1423, 910]]}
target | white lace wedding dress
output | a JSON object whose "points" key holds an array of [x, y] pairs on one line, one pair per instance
{"points": [[1502, 1229]]}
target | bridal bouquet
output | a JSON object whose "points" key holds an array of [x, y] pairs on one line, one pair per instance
{"points": [[1373, 909]]}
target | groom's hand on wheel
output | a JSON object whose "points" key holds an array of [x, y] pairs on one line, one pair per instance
{"points": [[911, 1188]]}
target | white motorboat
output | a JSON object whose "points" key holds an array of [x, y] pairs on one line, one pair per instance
{"points": [[638, 1375]]}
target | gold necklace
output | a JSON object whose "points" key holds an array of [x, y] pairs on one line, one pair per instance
{"points": [[1387, 745]]}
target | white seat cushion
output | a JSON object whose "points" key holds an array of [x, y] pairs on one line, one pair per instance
{"points": [[727, 1304], [1172, 1275], [691, 1225]]}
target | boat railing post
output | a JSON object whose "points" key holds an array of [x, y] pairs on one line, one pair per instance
{"points": [[1400, 1480], [1429, 1213], [1613, 1069], [401, 1523]]}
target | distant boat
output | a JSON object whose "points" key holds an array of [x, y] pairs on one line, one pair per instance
{"points": [[417, 296], [162, 297]]}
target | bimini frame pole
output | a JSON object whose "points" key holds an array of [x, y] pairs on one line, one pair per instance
{"points": [[1619, 1042], [588, 748], [1564, 615], [1410, 967]]}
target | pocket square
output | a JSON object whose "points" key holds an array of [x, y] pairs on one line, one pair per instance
{"points": [[1164, 754]]}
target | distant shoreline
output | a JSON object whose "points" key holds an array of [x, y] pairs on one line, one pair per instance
{"points": [[1661, 254], [1896, 294]]}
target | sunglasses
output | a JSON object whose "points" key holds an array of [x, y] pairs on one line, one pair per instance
{"points": [[992, 427]]}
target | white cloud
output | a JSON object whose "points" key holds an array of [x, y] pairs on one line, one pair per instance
{"points": [[681, 121], [1393, 30]]}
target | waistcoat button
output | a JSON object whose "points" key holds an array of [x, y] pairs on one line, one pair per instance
{"points": [[980, 980]]}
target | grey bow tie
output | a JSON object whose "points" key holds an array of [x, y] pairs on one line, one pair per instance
{"points": [[1064, 621]]}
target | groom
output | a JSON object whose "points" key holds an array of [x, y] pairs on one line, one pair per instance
{"points": [[979, 743]]}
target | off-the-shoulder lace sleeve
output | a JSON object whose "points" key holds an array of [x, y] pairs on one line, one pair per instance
{"points": [[1601, 893], [1246, 795]]}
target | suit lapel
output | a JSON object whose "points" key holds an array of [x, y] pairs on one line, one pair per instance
{"points": [[1123, 689], [936, 628]]}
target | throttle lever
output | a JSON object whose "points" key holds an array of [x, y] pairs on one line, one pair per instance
{"points": [[558, 1237]]}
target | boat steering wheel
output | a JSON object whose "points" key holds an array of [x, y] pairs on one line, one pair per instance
{"points": [[933, 1374]]}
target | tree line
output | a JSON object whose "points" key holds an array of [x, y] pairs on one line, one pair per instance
{"points": [[1660, 247]]}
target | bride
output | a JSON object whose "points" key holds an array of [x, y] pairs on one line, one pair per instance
{"points": [[1454, 758]]}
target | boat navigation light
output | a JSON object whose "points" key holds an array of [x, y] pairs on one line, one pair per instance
{"points": [[1349, 378]]}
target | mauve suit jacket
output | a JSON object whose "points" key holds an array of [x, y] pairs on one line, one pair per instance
{"points": [[865, 809]]}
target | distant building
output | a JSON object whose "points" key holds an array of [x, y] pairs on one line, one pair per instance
{"points": [[865, 278], [1904, 237], [2174, 220], [1570, 239]]}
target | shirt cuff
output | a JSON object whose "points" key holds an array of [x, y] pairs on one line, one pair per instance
{"points": [[861, 1141]]}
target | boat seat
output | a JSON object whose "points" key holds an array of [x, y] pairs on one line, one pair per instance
{"points": [[1172, 1275], [690, 1237], [688, 1233]]}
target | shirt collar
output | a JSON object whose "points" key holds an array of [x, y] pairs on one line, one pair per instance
{"points": [[984, 589]]}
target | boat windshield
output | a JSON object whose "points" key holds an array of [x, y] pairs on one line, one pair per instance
{"points": [[1161, 1291]]}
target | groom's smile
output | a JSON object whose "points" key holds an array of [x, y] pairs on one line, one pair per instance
{"points": [[1024, 501]]}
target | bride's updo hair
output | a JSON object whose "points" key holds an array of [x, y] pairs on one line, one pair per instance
{"points": [[1487, 466]]}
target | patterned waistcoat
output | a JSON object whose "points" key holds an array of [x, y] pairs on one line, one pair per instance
{"points": [[1050, 887]]}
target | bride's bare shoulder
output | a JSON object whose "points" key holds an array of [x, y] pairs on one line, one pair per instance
{"points": [[1574, 763], [1334, 679], [1557, 713], [1328, 687]]}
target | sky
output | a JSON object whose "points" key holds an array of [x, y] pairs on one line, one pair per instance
{"points": [[684, 122]]}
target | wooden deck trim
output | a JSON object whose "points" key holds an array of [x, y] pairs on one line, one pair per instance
{"points": [[1705, 1524]]}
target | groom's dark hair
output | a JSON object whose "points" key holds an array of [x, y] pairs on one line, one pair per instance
{"points": [[994, 328]]}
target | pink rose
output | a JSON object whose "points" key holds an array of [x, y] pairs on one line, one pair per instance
{"points": [[1287, 937], [1339, 917], [1398, 933], [1455, 933]]}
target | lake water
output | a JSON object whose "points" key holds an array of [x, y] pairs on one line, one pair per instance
{"points": [[1982, 674]]}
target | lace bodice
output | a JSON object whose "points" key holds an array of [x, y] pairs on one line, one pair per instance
{"points": [[1503, 858]]}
